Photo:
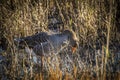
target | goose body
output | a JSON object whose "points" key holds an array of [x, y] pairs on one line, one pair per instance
{"points": [[44, 44]]}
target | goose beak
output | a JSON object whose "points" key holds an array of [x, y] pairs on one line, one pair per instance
{"points": [[74, 49]]}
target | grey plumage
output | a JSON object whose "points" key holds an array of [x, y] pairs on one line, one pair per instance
{"points": [[44, 43]]}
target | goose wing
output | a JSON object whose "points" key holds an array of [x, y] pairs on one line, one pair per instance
{"points": [[33, 40]]}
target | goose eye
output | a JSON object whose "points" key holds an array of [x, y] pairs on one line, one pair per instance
{"points": [[75, 44]]}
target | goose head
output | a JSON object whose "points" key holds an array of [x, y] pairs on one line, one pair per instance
{"points": [[73, 40]]}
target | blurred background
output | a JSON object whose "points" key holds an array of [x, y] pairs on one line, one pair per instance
{"points": [[95, 22]]}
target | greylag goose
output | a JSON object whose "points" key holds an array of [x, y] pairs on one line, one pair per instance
{"points": [[43, 43]]}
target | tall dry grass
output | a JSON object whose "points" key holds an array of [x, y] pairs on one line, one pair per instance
{"points": [[93, 21]]}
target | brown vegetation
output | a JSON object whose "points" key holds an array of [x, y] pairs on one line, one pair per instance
{"points": [[96, 23]]}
